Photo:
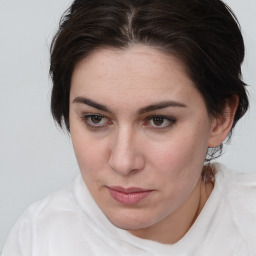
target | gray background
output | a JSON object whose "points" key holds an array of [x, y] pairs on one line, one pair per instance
{"points": [[35, 157]]}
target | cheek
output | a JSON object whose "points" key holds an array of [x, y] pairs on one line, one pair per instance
{"points": [[186, 150], [91, 155]]}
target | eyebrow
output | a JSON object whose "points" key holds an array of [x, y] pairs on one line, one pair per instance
{"points": [[161, 105], [152, 107], [91, 103]]}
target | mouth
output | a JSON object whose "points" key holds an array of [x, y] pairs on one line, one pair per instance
{"points": [[128, 196]]}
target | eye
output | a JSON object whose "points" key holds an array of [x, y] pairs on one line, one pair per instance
{"points": [[96, 120], [160, 121]]}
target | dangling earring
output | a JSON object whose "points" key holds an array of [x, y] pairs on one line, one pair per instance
{"points": [[208, 174]]}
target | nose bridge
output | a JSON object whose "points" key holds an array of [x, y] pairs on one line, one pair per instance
{"points": [[125, 154]]}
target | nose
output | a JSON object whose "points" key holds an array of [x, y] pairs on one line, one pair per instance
{"points": [[126, 153]]}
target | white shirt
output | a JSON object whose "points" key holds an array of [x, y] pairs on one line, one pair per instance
{"points": [[69, 223]]}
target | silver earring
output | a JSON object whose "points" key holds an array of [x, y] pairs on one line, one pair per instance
{"points": [[208, 174]]}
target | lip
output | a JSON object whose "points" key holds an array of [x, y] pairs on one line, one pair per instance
{"points": [[128, 196]]}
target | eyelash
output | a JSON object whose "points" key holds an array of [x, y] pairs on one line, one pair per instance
{"points": [[171, 121], [90, 124], [86, 119]]}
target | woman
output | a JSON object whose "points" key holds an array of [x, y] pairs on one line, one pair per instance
{"points": [[148, 90]]}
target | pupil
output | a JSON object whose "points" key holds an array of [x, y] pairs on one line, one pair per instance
{"points": [[96, 119], [158, 120]]}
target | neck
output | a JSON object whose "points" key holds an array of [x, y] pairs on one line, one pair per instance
{"points": [[180, 221]]}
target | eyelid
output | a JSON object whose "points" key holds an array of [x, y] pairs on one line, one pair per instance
{"points": [[172, 121], [161, 116], [86, 116]]}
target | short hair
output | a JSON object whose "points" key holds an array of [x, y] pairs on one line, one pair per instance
{"points": [[204, 34]]}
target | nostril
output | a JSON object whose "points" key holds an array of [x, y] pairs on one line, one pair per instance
{"points": [[121, 164], [124, 165]]}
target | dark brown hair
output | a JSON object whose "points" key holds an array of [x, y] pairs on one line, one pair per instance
{"points": [[203, 34]]}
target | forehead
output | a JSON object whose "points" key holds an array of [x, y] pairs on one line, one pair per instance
{"points": [[139, 73], [131, 58]]}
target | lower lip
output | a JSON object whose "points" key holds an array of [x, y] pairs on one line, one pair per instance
{"points": [[128, 198]]}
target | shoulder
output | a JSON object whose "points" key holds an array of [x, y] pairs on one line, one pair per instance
{"points": [[59, 201], [239, 184], [48, 215], [239, 194]]}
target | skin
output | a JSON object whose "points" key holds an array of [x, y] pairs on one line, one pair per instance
{"points": [[128, 148]]}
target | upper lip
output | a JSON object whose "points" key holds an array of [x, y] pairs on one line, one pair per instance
{"points": [[129, 190]]}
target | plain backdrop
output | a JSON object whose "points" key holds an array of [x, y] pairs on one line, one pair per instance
{"points": [[36, 158]]}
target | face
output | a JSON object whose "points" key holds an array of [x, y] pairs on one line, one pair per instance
{"points": [[140, 131]]}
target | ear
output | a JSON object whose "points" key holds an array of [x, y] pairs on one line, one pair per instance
{"points": [[221, 126]]}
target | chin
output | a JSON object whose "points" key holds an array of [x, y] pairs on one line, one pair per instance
{"points": [[130, 226], [131, 221]]}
